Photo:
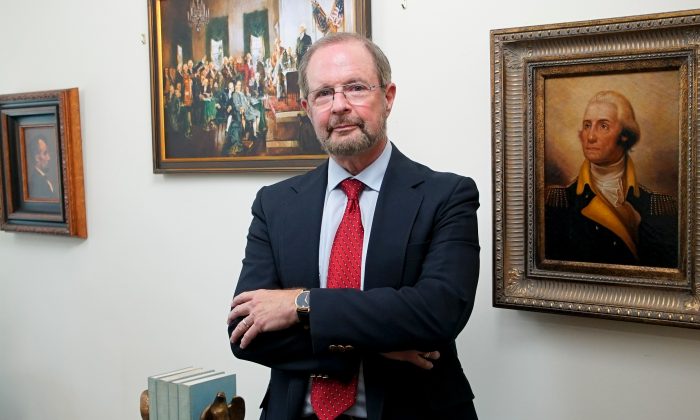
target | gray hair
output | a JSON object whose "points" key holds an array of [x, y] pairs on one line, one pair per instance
{"points": [[380, 60], [625, 114]]}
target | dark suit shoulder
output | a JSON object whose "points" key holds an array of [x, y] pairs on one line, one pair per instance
{"points": [[413, 172], [298, 182]]}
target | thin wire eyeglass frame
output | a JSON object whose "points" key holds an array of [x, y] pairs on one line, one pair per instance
{"points": [[355, 97]]}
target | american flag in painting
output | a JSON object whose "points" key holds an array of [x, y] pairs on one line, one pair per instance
{"points": [[329, 22], [337, 13]]}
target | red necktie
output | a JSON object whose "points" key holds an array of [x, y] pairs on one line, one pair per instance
{"points": [[331, 397]]}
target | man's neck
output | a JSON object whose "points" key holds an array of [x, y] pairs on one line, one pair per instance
{"points": [[357, 163]]}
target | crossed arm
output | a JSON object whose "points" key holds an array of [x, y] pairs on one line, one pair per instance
{"points": [[274, 310], [408, 323]]}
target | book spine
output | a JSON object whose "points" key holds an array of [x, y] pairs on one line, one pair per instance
{"points": [[183, 402], [152, 403], [162, 412]]}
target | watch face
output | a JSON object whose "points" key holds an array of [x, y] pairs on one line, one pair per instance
{"points": [[302, 301]]}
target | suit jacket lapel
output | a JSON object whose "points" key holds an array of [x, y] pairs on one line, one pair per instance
{"points": [[394, 216], [302, 229]]}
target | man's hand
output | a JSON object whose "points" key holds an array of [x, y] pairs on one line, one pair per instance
{"points": [[422, 359], [264, 310]]}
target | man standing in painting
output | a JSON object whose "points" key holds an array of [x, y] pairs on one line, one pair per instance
{"points": [[605, 215], [358, 275], [40, 185], [303, 43]]}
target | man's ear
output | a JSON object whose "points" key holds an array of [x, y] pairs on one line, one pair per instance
{"points": [[389, 96], [305, 106]]}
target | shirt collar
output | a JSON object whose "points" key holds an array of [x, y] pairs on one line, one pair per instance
{"points": [[584, 177], [371, 176]]}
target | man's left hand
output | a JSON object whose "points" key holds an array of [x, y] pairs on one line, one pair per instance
{"points": [[263, 310]]}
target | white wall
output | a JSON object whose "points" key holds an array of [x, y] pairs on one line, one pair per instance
{"points": [[83, 323]]}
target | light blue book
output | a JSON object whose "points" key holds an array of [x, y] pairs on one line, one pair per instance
{"points": [[195, 395], [173, 408], [162, 391], [152, 403]]}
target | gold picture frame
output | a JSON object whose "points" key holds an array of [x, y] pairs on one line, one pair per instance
{"points": [[560, 244]]}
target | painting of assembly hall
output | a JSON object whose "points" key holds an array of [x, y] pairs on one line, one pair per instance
{"points": [[229, 75]]}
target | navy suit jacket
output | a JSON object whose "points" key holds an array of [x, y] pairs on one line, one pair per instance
{"points": [[421, 273]]}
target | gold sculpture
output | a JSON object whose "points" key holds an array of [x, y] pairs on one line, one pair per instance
{"points": [[219, 410], [144, 400]]}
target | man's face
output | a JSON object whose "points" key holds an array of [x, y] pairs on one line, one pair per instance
{"points": [[344, 129], [238, 86], [600, 133], [42, 158]]}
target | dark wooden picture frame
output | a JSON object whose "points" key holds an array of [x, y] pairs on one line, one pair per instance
{"points": [[562, 242], [197, 125], [41, 163]]}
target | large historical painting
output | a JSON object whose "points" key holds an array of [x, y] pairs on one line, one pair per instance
{"points": [[595, 168], [225, 85]]}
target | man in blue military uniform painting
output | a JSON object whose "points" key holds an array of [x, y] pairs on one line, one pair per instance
{"points": [[605, 215]]}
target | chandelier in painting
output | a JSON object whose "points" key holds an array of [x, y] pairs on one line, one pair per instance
{"points": [[198, 15]]}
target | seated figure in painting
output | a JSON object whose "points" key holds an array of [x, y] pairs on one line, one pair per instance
{"points": [[208, 104], [605, 215], [252, 115]]}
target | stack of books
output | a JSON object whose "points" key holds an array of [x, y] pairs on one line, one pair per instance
{"points": [[184, 393]]}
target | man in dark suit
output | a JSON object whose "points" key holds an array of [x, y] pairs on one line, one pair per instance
{"points": [[303, 43], [359, 275]]}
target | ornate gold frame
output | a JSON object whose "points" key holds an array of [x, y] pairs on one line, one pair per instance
{"points": [[522, 277]]}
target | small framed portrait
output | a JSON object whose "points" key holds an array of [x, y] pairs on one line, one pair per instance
{"points": [[225, 81], [594, 168], [41, 166]]}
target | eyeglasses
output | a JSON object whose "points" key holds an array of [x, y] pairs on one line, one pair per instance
{"points": [[355, 93]]}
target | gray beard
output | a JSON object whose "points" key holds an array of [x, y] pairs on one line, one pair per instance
{"points": [[351, 146]]}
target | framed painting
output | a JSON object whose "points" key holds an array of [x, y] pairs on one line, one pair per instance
{"points": [[595, 168], [41, 165], [225, 85]]}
